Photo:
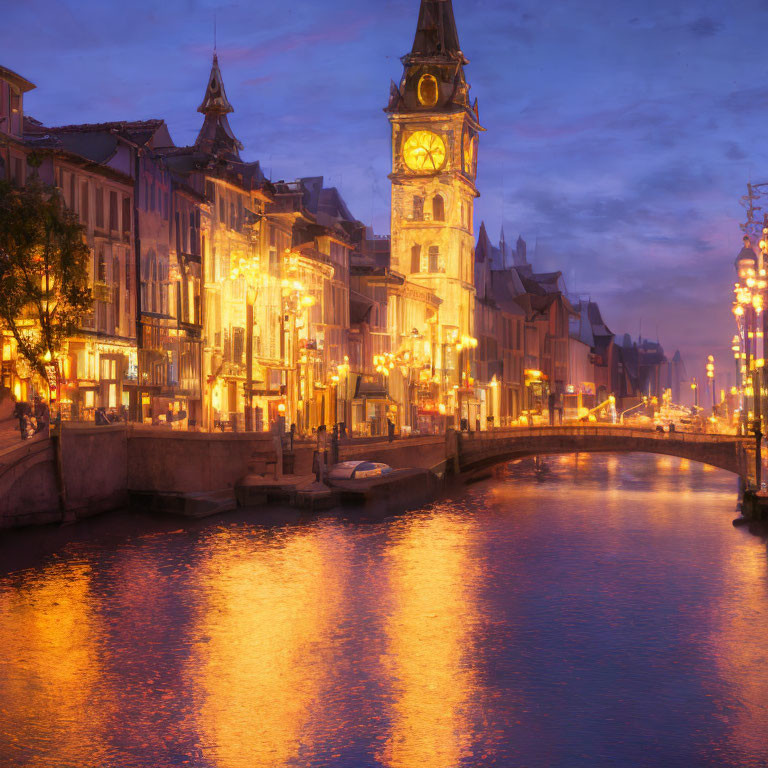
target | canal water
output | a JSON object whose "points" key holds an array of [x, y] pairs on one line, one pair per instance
{"points": [[603, 612]]}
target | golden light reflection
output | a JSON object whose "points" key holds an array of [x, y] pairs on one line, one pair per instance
{"points": [[49, 690], [431, 576], [663, 462], [739, 651], [262, 656]]}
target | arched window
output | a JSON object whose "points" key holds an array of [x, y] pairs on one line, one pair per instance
{"points": [[416, 258], [438, 208], [428, 91], [418, 208], [434, 258]]}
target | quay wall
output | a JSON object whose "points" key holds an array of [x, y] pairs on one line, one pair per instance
{"points": [[98, 467], [94, 468], [417, 452], [189, 462]]}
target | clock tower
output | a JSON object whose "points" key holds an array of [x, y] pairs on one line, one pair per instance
{"points": [[435, 132]]}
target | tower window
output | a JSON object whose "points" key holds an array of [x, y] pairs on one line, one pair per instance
{"points": [[416, 258], [428, 91], [438, 208], [434, 258], [418, 208]]}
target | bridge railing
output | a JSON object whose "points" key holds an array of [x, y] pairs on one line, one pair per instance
{"points": [[603, 430]]}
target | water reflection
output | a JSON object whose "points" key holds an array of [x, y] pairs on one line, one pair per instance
{"points": [[53, 703], [601, 613], [432, 575], [262, 652], [738, 650]]}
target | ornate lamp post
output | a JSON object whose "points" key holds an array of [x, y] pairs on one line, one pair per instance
{"points": [[296, 300], [745, 308], [711, 377], [248, 269]]}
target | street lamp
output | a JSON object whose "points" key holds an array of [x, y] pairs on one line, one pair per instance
{"points": [[711, 377], [248, 269], [296, 300]]}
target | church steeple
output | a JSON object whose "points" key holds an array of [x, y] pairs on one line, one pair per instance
{"points": [[436, 33], [433, 78], [216, 136]]}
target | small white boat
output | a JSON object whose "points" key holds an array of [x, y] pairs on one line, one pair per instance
{"points": [[357, 470]]}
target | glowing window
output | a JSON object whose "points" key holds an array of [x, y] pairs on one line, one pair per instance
{"points": [[428, 91]]}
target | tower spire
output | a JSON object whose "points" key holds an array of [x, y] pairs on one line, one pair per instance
{"points": [[436, 33], [215, 99], [216, 136]]}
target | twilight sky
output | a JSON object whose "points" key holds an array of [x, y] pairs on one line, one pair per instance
{"points": [[621, 133]]}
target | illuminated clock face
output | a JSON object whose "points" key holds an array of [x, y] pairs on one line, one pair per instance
{"points": [[424, 151]]}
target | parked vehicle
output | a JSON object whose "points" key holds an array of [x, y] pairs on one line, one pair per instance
{"points": [[357, 470]]}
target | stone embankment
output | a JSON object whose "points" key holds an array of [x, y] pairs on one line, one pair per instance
{"points": [[84, 470]]}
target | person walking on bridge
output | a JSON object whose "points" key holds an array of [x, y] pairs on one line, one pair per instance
{"points": [[23, 412], [551, 403]]}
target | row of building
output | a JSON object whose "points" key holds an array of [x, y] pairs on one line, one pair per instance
{"points": [[223, 299]]}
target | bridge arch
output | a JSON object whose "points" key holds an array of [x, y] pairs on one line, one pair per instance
{"points": [[479, 450]]}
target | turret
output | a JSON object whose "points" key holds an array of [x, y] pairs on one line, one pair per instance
{"points": [[216, 136]]}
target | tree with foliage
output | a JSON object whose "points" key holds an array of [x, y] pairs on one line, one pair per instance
{"points": [[44, 257]]}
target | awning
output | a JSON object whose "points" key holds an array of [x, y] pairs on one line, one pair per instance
{"points": [[370, 390]]}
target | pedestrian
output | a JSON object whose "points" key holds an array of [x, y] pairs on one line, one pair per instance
{"points": [[335, 445], [551, 400], [390, 429], [21, 411], [560, 408], [42, 415], [102, 418]]}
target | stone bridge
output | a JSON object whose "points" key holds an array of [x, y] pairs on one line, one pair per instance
{"points": [[478, 450]]}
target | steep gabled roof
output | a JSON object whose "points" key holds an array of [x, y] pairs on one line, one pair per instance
{"points": [[483, 251], [599, 328]]}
